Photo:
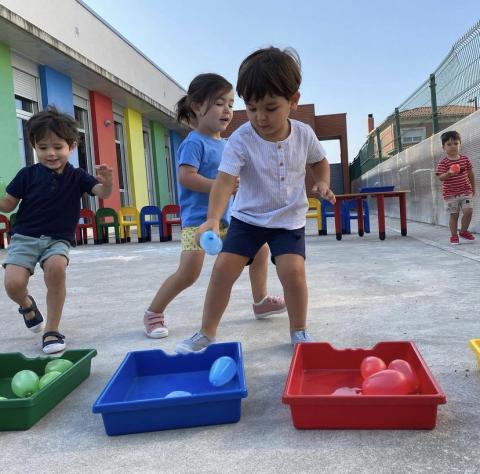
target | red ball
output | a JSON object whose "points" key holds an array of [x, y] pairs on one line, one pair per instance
{"points": [[406, 369], [455, 168], [371, 365], [386, 382]]}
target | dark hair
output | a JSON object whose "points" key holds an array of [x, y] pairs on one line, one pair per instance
{"points": [[269, 71], [205, 87], [452, 134], [49, 121]]}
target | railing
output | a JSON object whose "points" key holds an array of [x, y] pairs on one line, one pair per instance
{"points": [[451, 93]]}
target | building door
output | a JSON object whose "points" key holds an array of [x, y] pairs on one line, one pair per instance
{"points": [[86, 160], [122, 164], [152, 200]]}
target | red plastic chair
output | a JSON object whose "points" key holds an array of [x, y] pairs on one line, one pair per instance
{"points": [[167, 222], [88, 217], [4, 231]]}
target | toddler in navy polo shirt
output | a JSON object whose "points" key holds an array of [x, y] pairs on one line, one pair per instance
{"points": [[49, 194]]}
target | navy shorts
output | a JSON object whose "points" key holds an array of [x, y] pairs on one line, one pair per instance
{"points": [[247, 239]]}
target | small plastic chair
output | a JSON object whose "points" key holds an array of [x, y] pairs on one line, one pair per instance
{"points": [[167, 222], [329, 211], [128, 217], [146, 224], [4, 231], [351, 205], [315, 212], [105, 218], [86, 221]]}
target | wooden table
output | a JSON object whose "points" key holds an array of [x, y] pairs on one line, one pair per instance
{"points": [[380, 196]]}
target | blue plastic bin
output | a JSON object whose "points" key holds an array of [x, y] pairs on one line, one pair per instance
{"points": [[134, 400], [377, 189]]}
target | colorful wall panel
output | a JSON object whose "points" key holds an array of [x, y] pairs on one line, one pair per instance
{"points": [[10, 156], [57, 90], [104, 142], [136, 158], [160, 163], [175, 140]]}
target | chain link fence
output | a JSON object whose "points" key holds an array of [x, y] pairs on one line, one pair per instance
{"points": [[451, 93]]}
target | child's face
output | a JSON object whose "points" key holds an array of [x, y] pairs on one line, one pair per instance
{"points": [[212, 119], [53, 152], [452, 147], [269, 116]]}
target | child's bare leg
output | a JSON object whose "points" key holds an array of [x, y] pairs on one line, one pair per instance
{"points": [[291, 272], [466, 218], [188, 271], [453, 224], [228, 267], [258, 271], [54, 269], [16, 282]]}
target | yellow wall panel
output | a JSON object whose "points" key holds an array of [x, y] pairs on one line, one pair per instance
{"points": [[136, 158]]}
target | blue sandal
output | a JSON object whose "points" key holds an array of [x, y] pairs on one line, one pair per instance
{"points": [[36, 324], [53, 345]]}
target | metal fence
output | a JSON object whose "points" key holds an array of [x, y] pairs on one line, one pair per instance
{"points": [[451, 93]]}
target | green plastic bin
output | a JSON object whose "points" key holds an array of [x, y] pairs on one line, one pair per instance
{"points": [[23, 413]]}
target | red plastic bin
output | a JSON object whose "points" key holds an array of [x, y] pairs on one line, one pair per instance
{"points": [[318, 369]]}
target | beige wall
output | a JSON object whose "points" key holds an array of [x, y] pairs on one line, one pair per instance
{"points": [[71, 23]]}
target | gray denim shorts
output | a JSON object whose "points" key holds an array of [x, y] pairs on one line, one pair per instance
{"points": [[27, 251]]}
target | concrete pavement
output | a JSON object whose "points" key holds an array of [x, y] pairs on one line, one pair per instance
{"points": [[362, 291]]}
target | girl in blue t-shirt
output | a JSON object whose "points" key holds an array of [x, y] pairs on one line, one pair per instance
{"points": [[208, 107]]}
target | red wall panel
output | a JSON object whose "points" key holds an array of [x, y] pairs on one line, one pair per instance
{"points": [[104, 142]]}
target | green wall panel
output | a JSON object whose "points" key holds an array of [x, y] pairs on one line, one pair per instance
{"points": [[10, 155], [160, 163]]}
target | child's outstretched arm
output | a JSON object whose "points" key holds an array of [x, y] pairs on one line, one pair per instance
{"points": [[321, 176], [189, 178], [8, 203], [220, 193], [471, 177], [104, 187]]}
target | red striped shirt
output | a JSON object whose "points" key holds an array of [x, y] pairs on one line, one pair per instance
{"points": [[458, 184]]}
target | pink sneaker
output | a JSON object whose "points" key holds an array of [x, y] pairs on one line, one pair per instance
{"points": [[454, 240], [464, 234], [155, 325], [269, 305]]}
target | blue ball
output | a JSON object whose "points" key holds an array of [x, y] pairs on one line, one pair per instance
{"points": [[211, 242]]}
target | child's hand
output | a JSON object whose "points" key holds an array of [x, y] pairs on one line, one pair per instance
{"points": [[322, 189], [209, 224], [104, 174]]}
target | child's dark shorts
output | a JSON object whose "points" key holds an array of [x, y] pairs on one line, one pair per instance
{"points": [[247, 239]]}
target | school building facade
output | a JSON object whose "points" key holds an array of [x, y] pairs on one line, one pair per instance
{"points": [[61, 53]]}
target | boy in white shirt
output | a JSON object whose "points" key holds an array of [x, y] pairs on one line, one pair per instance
{"points": [[269, 154]]}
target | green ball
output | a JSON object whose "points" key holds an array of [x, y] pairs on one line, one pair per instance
{"points": [[48, 377], [25, 383], [58, 365]]}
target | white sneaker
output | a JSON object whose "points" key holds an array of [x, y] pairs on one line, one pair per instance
{"points": [[198, 342]]}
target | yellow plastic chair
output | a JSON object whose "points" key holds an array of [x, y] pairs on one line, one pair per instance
{"points": [[315, 212], [129, 217]]}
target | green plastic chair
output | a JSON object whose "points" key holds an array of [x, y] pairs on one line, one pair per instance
{"points": [[105, 218]]}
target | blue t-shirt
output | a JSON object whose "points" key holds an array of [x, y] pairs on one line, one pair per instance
{"points": [[203, 153], [49, 201]]}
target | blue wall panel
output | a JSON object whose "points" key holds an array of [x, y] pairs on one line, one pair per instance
{"points": [[175, 140], [57, 90]]}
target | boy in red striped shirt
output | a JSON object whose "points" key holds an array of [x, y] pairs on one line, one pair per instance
{"points": [[458, 185]]}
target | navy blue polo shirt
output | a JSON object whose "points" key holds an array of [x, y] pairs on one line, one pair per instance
{"points": [[50, 202]]}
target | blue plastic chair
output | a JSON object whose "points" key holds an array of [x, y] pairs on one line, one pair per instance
{"points": [[146, 224], [328, 210], [351, 205]]}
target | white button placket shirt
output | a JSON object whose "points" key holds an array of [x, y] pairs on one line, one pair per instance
{"points": [[272, 175]]}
